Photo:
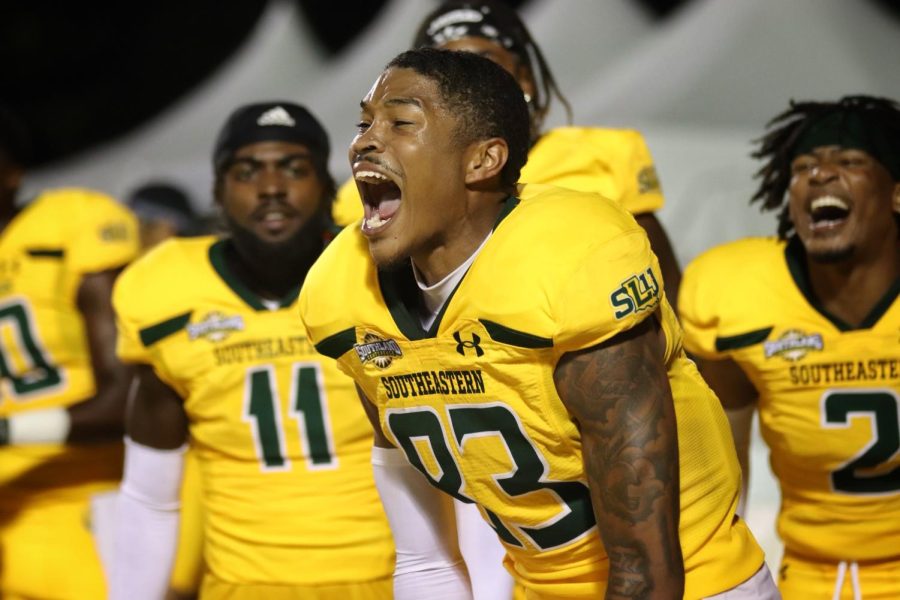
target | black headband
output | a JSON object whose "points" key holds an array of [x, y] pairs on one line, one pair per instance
{"points": [[472, 20], [850, 129]]}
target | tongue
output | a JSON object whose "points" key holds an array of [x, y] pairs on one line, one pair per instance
{"points": [[387, 208]]}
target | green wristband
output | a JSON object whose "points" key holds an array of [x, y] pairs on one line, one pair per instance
{"points": [[4, 432]]}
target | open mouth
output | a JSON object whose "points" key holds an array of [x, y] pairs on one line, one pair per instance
{"points": [[828, 211], [381, 199], [275, 219]]}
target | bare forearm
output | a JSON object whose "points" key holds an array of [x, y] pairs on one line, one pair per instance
{"points": [[102, 417], [620, 396]]}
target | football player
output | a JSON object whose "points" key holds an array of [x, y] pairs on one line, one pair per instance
{"points": [[290, 506], [803, 328]]}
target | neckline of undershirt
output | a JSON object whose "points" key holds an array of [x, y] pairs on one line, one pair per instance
{"points": [[434, 296]]}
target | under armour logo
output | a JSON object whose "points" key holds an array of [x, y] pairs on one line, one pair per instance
{"points": [[461, 344]]}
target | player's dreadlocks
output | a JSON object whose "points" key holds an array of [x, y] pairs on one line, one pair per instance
{"points": [[499, 23], [864, 122]]}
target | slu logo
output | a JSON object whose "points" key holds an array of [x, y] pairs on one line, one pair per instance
{"points": [[215, 327], [462, 344], [636, 294], [648, 180], [378, 350], [793, 345]]}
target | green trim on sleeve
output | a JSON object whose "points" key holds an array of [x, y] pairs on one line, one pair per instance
{"points": [[512, 337], [335, 346], [155, 333], [742, 340], [46, 252]]}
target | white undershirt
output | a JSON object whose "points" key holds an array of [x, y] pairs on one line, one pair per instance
{"points": [[436, 295], [272, 305]]}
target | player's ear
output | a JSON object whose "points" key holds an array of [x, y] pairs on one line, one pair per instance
{"points": [[486, 159], [526, 82]]}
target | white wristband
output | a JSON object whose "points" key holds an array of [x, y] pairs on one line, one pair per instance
{"points": [[47, 426]]}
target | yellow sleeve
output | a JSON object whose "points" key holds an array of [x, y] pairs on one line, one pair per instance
{"points": [[145, 320], [697, 302], [129, 347], [641, 191], [103, 234], [347, 206], [616, 286]]}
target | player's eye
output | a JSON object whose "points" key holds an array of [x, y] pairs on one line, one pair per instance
{"points": [[243, 172], [853, 159], [297, 170], [802, 166]]}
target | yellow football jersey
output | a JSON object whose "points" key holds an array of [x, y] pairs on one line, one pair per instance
{"points": [[615, 163], [828, 393], [45, 362], [473, 404], [283, 444]]}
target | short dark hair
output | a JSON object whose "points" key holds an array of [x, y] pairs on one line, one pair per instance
{"points": [[162, 200], [500, 23], [879, 118], [486, 100]]}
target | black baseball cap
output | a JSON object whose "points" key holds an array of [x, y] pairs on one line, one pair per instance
{"points": [[279, 121]]}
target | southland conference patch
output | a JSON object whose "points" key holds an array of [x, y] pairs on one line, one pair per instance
{"points": [[215, 327], [379, 351], [793, 345]]}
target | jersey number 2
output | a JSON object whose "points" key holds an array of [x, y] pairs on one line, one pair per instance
{"points": [[839, 408], [308, 407]]}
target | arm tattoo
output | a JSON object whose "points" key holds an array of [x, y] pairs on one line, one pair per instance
{"points": [[619, 393]]}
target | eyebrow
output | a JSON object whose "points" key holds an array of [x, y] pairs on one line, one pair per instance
{"points": [[402, 101]]}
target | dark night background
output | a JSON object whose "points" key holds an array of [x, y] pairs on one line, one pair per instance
{"points": [[83, 73]]}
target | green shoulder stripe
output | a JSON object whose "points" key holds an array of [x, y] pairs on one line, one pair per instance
{"points": [[154, 333], [334, 346], [505, 335], [742, 340], [46, 252]]}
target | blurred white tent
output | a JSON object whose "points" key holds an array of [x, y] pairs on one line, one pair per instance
{"points": [[700, 85]]}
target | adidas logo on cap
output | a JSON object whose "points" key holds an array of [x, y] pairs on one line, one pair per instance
{"points": [[276, 116]]}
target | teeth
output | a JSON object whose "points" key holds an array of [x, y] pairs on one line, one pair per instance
{"points": [[828, 201], [273, 216], [375, 221], [370, 175]]}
